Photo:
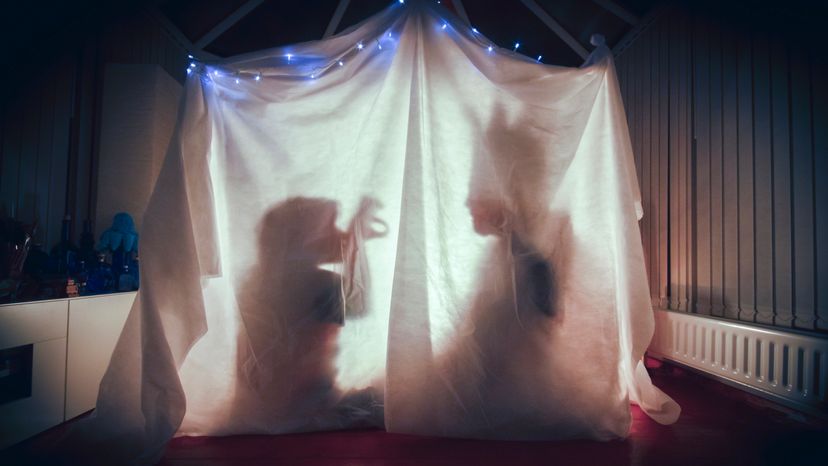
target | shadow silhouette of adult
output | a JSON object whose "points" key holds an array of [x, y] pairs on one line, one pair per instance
{"points": [[497, 377], [532, 275], [293, 303]]}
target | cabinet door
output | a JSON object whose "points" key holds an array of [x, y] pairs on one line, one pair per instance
{"points": [[95, 324], [33, 349]]}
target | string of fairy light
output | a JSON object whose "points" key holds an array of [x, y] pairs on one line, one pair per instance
{"points": [[360, 46]]}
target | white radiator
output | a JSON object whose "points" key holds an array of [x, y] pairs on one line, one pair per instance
{"points": [[789, 367]]}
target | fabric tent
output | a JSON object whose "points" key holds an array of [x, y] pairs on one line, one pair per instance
{"points": [[403, 226]]}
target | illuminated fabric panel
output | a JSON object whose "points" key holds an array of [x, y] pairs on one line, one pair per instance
{"points": [[404, 226]]}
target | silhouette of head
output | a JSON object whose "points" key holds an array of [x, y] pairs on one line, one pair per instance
{"points": [[301, 229]]}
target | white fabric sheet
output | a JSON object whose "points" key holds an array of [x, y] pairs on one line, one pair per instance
{"points": [[419, 234]]}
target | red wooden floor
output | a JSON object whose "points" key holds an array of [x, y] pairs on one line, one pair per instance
{"points": [[719, 425]]}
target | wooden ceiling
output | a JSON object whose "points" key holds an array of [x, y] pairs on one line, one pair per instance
{"points": [[224, 28]]}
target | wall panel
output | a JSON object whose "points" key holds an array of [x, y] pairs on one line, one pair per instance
{"points": [[671, 44], [701, 169], [49, 148], [729, 119], [32, 152], [782, 201], [716, 173], [730, 176], [664, 164], [763, 184], [745, 174], [11, 159], [819, 74]]}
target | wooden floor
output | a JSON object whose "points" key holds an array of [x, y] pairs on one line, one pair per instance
{"points": [[719, 425]]}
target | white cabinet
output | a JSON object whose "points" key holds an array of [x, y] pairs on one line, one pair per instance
{"points": [[95, 324], [67, 343], [42, 326]]}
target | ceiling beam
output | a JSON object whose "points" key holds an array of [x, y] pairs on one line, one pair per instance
{"points": [[227, 23], [179, 36], [636, 31], [461, 12], [618, 11], [556, 28], [336, 18]]}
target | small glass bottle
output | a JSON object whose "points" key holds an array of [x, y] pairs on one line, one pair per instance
{"points": [[82, 277], [64, 253], [135, 271], [126, 281], [100, 279]]}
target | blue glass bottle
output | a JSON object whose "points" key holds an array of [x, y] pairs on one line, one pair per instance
{"points": [[126, 281], [82, 278], [100, 278], [136, 273]]}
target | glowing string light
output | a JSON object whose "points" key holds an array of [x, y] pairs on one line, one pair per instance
{"points": [[360, 46], [237, 80], [258, 77], [340, 63], [517, 45], [289, 57], [490, 48], [474, 30], [539, 58]]}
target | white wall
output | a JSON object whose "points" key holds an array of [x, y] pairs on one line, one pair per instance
{"points": [[139, 109]]}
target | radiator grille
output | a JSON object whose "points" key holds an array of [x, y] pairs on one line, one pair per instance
{"points": [[790, 367]]}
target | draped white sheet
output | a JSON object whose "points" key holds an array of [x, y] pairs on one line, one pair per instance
{"points": [[416, 232]]}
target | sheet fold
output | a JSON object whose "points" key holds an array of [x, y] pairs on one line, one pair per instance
{"points": [[396, 227]]}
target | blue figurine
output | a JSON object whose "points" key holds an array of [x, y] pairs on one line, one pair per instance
{"points": [[121, 234], [121, 240]]}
